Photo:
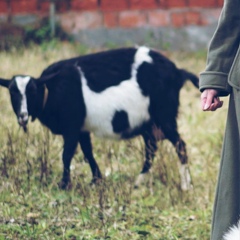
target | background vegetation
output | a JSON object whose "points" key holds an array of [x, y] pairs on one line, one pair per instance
{"points": [[32, 206]]}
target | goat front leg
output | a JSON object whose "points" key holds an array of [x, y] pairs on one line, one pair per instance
{"points": [[150, 150], [70, 144], [86, 145]]}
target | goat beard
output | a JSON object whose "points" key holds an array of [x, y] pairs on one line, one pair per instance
{"points": [[23, 125], [25, 128]]}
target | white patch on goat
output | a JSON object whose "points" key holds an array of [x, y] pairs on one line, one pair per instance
{"points": [[22, 84], [185, 177], [233, 233], [127, 96], [140, 179], [142, 55]]}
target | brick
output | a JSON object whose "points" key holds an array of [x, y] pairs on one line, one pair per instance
{"points": [[3, 7], [110, 19], [62, 6], [220, 3], [129, 19], [209, 16], [84, 5], [44, 6], [29, 6], [114, 5], [202, 3], [193, 18], [158, 18], [178, 19], [23, 6], [143, 4], [176, 3], [73, 22], [163, 4]]}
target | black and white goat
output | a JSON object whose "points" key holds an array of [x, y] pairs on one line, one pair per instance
{"points": [[116, 94]]}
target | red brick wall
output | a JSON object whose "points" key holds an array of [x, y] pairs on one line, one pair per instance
{"points": [[124, 13]]}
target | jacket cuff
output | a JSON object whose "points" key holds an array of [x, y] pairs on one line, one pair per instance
{"points": [[215, 80]]}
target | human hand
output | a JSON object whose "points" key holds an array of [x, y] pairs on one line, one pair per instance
{"points": [[210, 100]]}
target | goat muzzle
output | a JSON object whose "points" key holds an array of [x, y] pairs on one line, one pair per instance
{"points": [[23, 121]]}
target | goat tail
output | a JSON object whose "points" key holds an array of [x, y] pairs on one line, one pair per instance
{"points": [[191, 76]]}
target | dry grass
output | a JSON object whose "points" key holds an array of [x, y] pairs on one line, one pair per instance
{"points": [[32, 206]]}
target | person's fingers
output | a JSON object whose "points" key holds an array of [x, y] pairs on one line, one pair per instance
{"points": [[203, 99], [215, 105], [207, 99]]}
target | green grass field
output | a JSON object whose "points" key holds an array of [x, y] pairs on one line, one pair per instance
{"points": [[32, 206]]}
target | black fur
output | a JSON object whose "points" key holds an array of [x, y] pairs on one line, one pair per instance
{"points": [[120, 122]]}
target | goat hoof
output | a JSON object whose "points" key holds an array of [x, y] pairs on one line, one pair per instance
{"points": [[187, 187], [95, 181], [141, 179], [65, 185]]}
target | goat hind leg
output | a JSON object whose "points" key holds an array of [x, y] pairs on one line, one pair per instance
{"points": [[150, 149], [173, 136], [183, 165]]}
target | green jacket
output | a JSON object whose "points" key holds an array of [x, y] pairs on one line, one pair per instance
{"points": [[223, 73], [223, 63]]}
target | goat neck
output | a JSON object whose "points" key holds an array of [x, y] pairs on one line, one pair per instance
{"points": [[40, 102]]}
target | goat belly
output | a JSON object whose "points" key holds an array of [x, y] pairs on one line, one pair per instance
{"points": [[118, 127], [116, 111]]}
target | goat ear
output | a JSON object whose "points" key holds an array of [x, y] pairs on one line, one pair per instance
{"points": [[4, 82], [44, 79]]}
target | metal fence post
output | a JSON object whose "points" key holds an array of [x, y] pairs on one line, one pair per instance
{"points": [[52, 11]]}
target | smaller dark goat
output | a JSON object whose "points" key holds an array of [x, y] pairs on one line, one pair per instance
{"points": [[117, 94]]}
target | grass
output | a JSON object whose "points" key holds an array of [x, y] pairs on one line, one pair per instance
{"points": [[32, 206]]}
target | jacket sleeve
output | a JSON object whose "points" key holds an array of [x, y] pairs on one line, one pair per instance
{"points": [[222, 49]]}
